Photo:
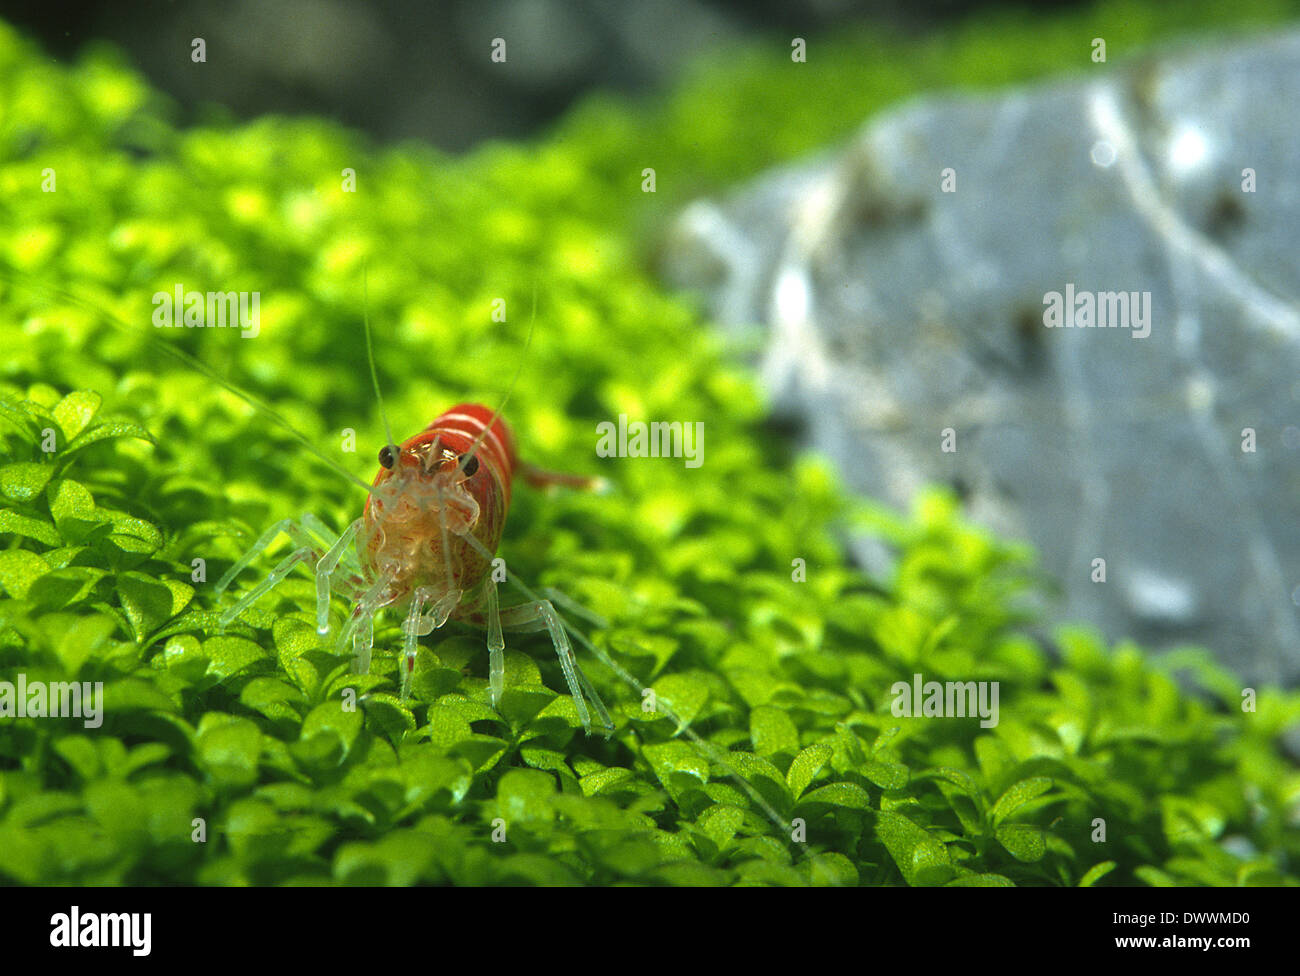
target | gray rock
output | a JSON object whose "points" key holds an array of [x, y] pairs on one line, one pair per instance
{"points": [[891, 310]]}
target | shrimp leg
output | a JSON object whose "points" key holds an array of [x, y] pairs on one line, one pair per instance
{"points": [[360, 626], [325, 567], [495, 642], [418, 623], [308, 532], [570, 605], [308, 547], [541, 615]]}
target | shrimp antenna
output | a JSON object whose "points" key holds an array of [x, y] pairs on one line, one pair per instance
{"points": [[370, 357], [523, 358], [200, 367]]}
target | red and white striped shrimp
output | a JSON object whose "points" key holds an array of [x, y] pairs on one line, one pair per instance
{"points": [[425, 543]]}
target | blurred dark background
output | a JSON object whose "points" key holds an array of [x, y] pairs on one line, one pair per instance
{"points": [[412, 69]]}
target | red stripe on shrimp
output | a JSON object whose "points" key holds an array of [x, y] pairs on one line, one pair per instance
{"points": [[464, 424]]}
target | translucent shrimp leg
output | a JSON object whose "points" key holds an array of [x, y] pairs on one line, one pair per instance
{"points": [[308, 547], [495, 641], [418, 623], [308, 531], [570, 605], [538, 615], [541, 615], [712, 752], [360, 626], [325, 567]]}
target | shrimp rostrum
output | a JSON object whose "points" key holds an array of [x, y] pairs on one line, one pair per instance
{"points": [[425, 546]]}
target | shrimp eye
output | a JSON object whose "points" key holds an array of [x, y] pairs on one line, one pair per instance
{"points": [[386, 456], [469, 465]]}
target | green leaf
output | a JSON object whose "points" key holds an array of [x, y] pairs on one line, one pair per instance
{"points": [[82, 638], [182, 594], [64, 587], [387, 715], [1018, 795], [134, 695], [427, 772], [24, 480], [19, 569], [519, 706], [339, 718], [886, 775], [80, 753], [29, 527], [75, 411], [548, 759], [921, 858], [761, 774], [399, 859], [446, 726], [19, 416], [319, 754], [1155, 877], [273, 697], [831, 868], [1189, 820], [147, 603], [685, 694], [229, 748], [74, 510], [482, 751], [805, 767], [120, 810], [1025, 842], [1096, 873], [195, 620], [772, 732], [959, 780], [257, 833], [105, 431], [135, 535], [141, 756], [720, 822], [605, 780], [994, 758], [229, 655], [675, 758], [182, 656], [848, 795], [524, 795], [981, 881]]}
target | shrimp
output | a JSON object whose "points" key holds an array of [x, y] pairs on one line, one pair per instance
{"points": [[425, 543]]}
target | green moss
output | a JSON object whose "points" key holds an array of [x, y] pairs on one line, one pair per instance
{"points": [[156, 467]]}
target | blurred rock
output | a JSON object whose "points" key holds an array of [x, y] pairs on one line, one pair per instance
{"points": [[892, 310]]}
